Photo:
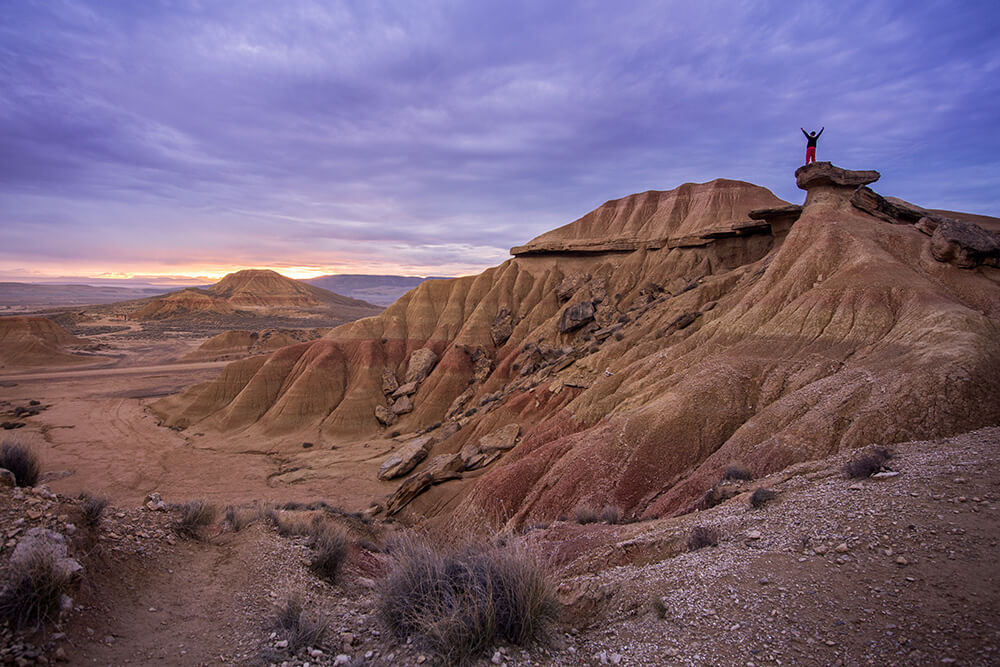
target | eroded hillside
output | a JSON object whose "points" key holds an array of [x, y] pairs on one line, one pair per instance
{"points": [[641, 349]]}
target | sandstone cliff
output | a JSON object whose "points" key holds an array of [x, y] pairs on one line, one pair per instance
{"points": [[714, 323]]}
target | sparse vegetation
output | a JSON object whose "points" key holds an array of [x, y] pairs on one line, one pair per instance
{"points": [[301, 631], [611, 514], [867, 463], [737, 473], [34, 590], [239, 518], [195, 515], [587, 515], [718, 494], [91, 509], [761, 497], [330, 547], [21, 461], [702, 536], [462, 601], [659, 607]]}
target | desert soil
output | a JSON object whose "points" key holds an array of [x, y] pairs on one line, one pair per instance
{"points": [[900, 570]]}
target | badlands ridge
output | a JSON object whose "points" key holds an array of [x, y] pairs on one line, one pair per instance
{"points": [[628, 357]]}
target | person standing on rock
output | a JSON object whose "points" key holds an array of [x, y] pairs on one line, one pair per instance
{"points": [[811, 139]]}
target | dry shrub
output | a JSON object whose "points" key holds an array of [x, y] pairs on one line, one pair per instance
{"points": [[290, 525], [239, 518], [718, 494], [195, 515], [866, 464], [330, 547], [659, 607], [737, 473], [300, 630], [91, 509], [611, 514], [702, 536], [34, 590], [22, 462], [761, 497], [462, 601], [587, 515]]}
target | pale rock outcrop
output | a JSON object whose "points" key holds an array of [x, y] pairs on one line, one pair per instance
{"points": [[490, 447], [40, 541], [421, 363], [502, 327], [439, 469], [407, 389], [890, 209], [402, 405], [406, 458], [830, 184], [384, 415], [389, 381]]}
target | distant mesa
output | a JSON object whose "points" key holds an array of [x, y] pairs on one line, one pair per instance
{"points": [[642, 349], [378, 289], [27, 342]]}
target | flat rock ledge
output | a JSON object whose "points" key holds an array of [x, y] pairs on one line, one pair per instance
{"points": [[820, 174]]}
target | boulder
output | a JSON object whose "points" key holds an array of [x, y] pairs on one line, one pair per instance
{"points": [[570, 284], [389, 381], [502, 327], [889, 209], [575, 316], [439, 469], [45, 543], [384, 415], [825, 173], [154, 503], [489, 447], [7, 478], [965, 244], [407, 389], [405, 459], [422, 361], [402, 405]]}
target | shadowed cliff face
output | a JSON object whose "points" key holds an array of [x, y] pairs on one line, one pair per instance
{"points": [[637, 375]]}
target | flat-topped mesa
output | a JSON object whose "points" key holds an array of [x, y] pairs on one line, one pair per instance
{"points": [[693, 214], [830, 184]]}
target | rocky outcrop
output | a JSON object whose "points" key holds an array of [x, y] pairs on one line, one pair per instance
{"points": [[389, 381], [964, 244], [421, 363], [780, 218], [405, 458], [490, 447], [889, 209], [576, 315], [830, 184], [502, 327], [47, 544], [440, 469]]}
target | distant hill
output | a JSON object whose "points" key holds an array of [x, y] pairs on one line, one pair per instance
{"points": [[381, 290], [252, 293], [36, 341], [37, 294]]}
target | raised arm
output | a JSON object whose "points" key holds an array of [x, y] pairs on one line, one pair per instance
{"points": [[820, 132], [804, 132]]}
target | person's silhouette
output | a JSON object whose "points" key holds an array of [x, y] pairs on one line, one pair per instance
{"points": [[811, 139]]}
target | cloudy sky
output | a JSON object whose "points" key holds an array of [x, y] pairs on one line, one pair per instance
{"points": [[193, 137]]}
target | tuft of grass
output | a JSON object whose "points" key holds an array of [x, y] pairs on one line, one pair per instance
{"points": [[34, 590], [330, 547], [195, 515], [239, 518], [300, 630], [737, 473], [21, 461], [461, 601], [702, 536], [587, 515], [611, 514], [867, 463], [761, 497], [91, 510]]}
